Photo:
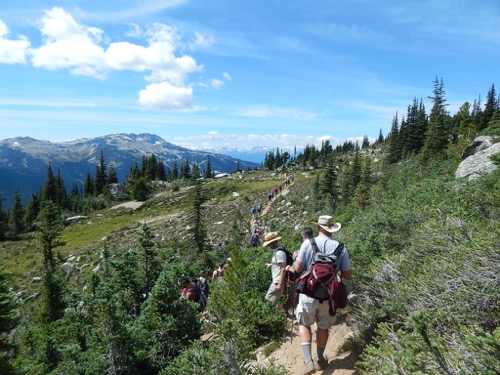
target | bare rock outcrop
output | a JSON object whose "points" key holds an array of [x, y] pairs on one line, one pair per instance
{"points": [[476, 158]]}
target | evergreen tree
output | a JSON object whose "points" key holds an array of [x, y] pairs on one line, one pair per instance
{"points": [[489, 108], [366, 142], [16, 217], [329, 188], [175, 171], [394, 152], [436, 141], [89, 186], [160, 171], [140, 189], [152, 168], [208, 168], [199, 233], [50, 190], [32, 211], [100, 181], [195, 172], [49, 227], [62, 196], [149, 259], [238, 167], [362, 194], [185, 170]]}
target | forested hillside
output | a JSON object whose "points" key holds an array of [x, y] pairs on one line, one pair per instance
{"points": [[102, 295]]}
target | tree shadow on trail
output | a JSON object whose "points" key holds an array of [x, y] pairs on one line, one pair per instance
{"points": [[344, 361]]}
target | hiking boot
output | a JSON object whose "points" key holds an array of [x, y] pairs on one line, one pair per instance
{"points": [[321, 363], [309, 368]]}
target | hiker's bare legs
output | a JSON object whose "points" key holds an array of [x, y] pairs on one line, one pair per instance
{"points": [[305, 334], [322, 337]]}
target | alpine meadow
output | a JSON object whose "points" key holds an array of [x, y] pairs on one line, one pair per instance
{"points": [[90, 282]]}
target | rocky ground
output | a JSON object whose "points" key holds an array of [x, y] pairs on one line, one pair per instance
{"points": [[289, 354]]}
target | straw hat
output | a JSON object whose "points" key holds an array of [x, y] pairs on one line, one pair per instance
{"points": [[270, 237], [326, 223]]}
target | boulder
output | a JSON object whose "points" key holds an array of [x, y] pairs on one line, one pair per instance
{"points": [[476, 158]]}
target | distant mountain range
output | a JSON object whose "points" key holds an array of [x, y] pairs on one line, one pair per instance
{"points": [[24, 160], [255, 154]]}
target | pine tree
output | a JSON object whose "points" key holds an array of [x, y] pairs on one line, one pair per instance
{"points": [[329, 188], [62, 196], [436, 141], [100, 181], [50, 191], [89, 186], [160, 171], [32, 211], [175, 171], [149, 259], [49, 227], [198, 230], [195, 172], [489, 108], [16, 217], [185, 170], [394, 152], [366, 142], [208, 168]]}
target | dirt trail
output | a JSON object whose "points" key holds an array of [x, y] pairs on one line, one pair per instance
{"points": [[269, 204], [289, 354]]}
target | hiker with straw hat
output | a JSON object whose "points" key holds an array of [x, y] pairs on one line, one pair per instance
{"points": [[310, 310], [277, 265]]}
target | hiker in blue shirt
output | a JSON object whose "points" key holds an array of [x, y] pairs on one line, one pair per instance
{"points": [[310, 310]]}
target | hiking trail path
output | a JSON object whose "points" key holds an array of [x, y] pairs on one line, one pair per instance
{"points": [[289, 353]]}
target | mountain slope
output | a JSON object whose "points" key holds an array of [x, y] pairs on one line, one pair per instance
{"points": [[24, 160]]}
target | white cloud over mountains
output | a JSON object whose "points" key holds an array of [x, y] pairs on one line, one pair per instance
{"points": [[84, 50]]}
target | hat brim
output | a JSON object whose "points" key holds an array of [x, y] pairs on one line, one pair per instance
{"points": [[330, 229], [270, 241]]}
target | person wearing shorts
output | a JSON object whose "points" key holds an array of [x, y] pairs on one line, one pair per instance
{"points": [[310, 310]]}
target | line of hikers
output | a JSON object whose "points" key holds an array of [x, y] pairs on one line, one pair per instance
{"points": [[197, 289]]}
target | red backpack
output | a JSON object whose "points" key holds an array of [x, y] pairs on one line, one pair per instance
{"points": [[321, 280]]}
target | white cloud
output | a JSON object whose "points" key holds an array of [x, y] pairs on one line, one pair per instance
{"points": [[216, 140], [70, 45], [203, 40], [274, 112], [12, 51], [217, 83], [166, 96], [226, 76]]}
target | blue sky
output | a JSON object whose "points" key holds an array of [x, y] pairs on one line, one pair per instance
{"points": [[225, 73]]}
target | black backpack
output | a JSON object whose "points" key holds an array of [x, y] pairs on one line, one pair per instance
{"points": [[289, 261]]}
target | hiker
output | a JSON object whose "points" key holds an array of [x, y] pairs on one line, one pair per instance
{"points": [[259, 209], [219, 271], [203, 284], [255, 239], [254, 212], [189, 289], [310, 310], [277, 265]]}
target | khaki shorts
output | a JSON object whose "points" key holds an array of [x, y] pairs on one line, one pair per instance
{"points": [[310, 310], [273, 295]]}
